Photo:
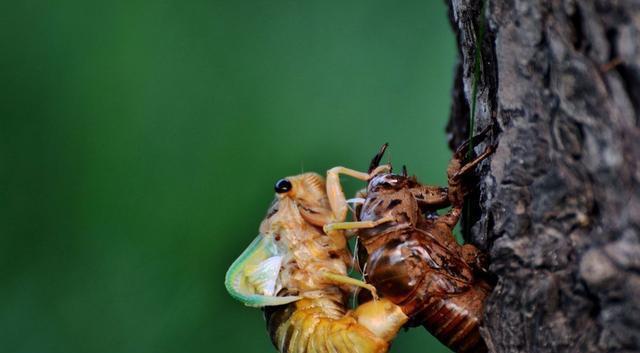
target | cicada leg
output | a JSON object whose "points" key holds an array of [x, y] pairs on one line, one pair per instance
{"points": [[431, 197], [337, 200], [474, 257], [330, 227], [342, 279], [455, 172]]}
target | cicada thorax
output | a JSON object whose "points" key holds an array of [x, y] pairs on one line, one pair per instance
{"points": [[306, 251], [415, 262]]}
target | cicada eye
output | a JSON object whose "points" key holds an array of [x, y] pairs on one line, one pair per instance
{"points": [[282, 186]]}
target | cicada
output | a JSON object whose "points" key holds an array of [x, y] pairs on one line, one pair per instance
{"points": [[410, 255], [298, 274]]}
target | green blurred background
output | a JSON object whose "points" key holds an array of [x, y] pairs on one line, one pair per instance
{"points": [[140, 141]]}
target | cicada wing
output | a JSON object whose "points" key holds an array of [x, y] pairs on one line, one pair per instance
{"points": [[253, 276], [262, 275]]}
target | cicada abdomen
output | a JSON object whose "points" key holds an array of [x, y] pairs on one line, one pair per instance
{"points": [[455, 321], [321, 325]]}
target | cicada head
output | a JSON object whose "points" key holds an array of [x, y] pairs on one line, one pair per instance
{"points": [[308, 192]]}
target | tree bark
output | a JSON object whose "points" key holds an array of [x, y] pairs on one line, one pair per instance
{"points": [[558, 207]]}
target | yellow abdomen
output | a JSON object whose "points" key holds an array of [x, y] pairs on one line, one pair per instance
{"points": [[320, 325]]}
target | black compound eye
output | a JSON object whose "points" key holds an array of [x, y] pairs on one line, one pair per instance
{"points": [[282, 186]]}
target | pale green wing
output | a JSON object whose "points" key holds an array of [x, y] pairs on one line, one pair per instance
{"points": [[252, 278]]}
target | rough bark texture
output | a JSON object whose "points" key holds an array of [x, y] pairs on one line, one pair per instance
{"points": [[559, 202]]}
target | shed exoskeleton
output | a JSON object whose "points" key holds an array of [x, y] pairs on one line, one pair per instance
{"points": [[408, 251], [298, 274]]}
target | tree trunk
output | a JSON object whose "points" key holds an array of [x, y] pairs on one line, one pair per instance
{"points": [[558, 207]]}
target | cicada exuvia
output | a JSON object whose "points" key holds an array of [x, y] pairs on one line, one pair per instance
{"points": [[408, 251]]}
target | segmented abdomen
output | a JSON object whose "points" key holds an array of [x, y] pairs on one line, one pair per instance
{"points": [[454, 322], [319, 326]]}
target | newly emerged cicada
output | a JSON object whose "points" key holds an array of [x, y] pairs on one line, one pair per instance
{"points": [[410, 255], [298, 274]]}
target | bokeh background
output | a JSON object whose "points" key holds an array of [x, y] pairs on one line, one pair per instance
{"points": [[140, 140]]}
